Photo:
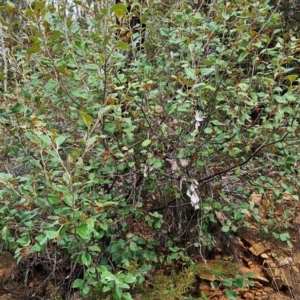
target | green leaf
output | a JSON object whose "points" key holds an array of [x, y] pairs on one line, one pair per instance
{"points": [[91, 67], [90, 222], [291, 160], [87, 119], [5, 115], [129, 278], [104, 110], [66, 177], [109, 128], [284, 236], [216, 123], [10, 6], [102, 269], [239, 282], [214, 285], [56, 34], [164, 31], [237, 216], [120, 6], [119, 10], [78, 283], [242, 56], [134, 247], [39, 5], [52, 234], [250, 282], [208, 130], [68, 200], [174, 249], [5, 233], [121, 167], [59, 140], [146, 143], [51, 85], [190, 73], [268, 126], [107, 276], [109, 203], [231, 295], [234, 152], [122, 45], [33, 49], [92, 140], [80, 93], [81, 45], [42, 239], [5, 177], [217, 206], [119, 13], [94, 248], [225, 15], [228, 282], [127, 296], [265, 229], [225, 228], [86, 259], [45, 140], [26, 94], [234, 228], [85, 289], [36, 248], [124, 285], [292, 78], [207, 71], [24, 241], [249, 274], [117, 293], [16, 108], [83, 231]]}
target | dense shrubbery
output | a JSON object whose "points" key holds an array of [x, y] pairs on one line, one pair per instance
{"points": [[133, 158]]}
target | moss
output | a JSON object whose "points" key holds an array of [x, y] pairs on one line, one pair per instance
{"points": [[170, 287], [219, 268], [183, 284]]}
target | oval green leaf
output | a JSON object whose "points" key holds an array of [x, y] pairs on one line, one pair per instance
{"points": [[146, 143]]}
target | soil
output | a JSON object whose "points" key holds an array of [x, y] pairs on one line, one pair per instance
{"points": [[33, 278]]}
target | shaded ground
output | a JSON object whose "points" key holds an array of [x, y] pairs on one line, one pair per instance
{"points": [[32, 279]]}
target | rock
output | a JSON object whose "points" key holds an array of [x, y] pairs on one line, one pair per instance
{"points": [[285, 261], [249, 295], [256, 274], [264, 255], [278, 296], [260, 247]]}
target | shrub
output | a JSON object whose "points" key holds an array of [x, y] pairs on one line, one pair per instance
{"points": [[170, 139]]}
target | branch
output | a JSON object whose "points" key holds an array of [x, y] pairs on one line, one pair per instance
{"points": [[4, 59], [263, 145]]}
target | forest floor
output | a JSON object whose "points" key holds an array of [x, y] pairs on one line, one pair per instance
{"points": [[274, 265]]}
